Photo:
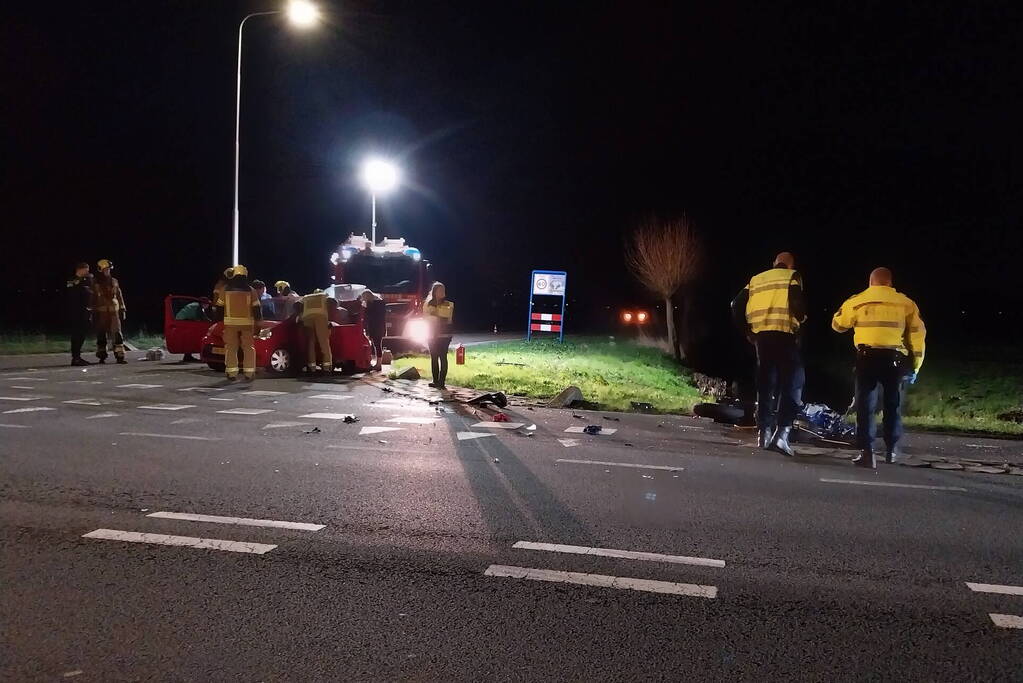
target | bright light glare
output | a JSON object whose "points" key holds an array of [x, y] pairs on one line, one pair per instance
{"points": [[418, 331], [627, 317], [379, 176], [641, 317], [303, 14]]}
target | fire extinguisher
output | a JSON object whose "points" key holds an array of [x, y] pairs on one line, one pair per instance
{"points": [[460, 355]]}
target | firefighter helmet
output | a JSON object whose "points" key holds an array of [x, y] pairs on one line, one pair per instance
{"points": [[103, 264], [228, 273], [281, 285], [240, 270]]}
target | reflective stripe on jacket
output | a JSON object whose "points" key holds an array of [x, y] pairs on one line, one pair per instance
{"points": [[314, 306], [238, 305], [767, 309], [883, 318]]}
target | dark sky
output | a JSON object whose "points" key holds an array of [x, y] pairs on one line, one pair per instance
{"points": [[534, 135]]}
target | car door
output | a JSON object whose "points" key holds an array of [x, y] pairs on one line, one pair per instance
{"points": [[182, 336]]}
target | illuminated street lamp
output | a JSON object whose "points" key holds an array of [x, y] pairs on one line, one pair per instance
{"points": [[379, 177], [301, 14]]}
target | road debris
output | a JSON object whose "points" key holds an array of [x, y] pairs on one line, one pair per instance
{"points": [[351, 419], [314, 430], [566, 398], [410, 373], [592, 429], [500, 417], [613, 419]]}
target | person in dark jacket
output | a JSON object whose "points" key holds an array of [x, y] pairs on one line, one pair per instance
{"points": [[375, 322], [79, 293]]}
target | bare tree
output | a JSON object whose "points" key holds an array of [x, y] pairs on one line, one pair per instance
{"points": [[664, 255]]}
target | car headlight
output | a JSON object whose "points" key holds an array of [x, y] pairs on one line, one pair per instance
{"points": [[418, 330]]}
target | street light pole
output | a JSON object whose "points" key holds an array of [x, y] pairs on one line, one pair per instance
{"points": [[237, 131], [379, 177], [373, 198]]}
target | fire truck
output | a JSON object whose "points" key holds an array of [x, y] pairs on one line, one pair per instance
{"points": [[395, 271]]}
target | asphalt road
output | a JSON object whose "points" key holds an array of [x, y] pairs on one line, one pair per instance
{"points": [[774, 573]]}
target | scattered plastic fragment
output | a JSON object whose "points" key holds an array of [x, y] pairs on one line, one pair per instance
{"points": [[578, 417], [145, 509], [314, 430], [381, 440], [497, 460], [500, 417], [592, 429], [351, 419], [648, 476], [613, 419], [629, 444]]}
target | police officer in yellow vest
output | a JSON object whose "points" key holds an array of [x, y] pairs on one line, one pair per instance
{"points": [[770, 310], [889, 338], [317, 330], [240, 306]]}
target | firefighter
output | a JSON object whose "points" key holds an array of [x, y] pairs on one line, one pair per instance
{"points": [[439, 312], [240, 307], [108, 311], [375, 322], [79, 292], [284, 302], [889, 335], [770, 310], [317, 331]]}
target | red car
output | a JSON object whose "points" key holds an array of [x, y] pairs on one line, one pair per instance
{"points": [[280, 344]]}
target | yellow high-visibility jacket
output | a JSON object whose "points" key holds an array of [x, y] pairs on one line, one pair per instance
{"points": [[768, 308], [883, 318], [441, 314], [314, 306], [240, 306]]}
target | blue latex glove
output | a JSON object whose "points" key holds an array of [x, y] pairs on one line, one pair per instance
{"points": [[911, 378]]}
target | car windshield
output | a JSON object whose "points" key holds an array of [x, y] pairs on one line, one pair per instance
{"points": [[391, 273]]}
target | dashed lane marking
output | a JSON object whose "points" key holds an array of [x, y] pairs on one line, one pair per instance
{"points": [[604, 431], [1006, 620], [18, 386], [498, 425], [328, 416], [27, 379], [27, 410], [102, 415], [214, 398], [203, 390], [624, 554], [6, 426], [186, 437], [92, 401], [165, 406], [413, 420], [667, 468], [331, 397], [468, 436], [378, 430], [241, 521], [264, 393], [602, 581], [568, 443], [857, 482], [186, 541], [22, 398], [279, 425], [995, 588], [245, 411], [139, 386]]}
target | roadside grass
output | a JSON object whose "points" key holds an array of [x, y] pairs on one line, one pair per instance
{"points": [[17, 343], [610, 374]]}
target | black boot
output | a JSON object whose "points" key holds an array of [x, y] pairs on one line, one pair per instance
{"points": [[866, 459], [780, 442], [764, 438], [893, 455]]}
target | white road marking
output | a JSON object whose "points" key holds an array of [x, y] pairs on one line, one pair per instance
{"points": [[185, 421], [603, 581], [980, 445], [413, 420], [214, 398], [380, 449], [241, 521], [6, 426], [994, 588], [331, 397], [328, 416], [1007, 620], [27, 379], [622, 464], [892, 485], [568, 443], [171, 436], [102, 415], [203, 390], [22, 398], [604, 431], [27, 410], [279, 425], [498, 425], [263, 393], [468, 436], [92, 401], [139, 386], [378, 430], [421, 407], [165, 406], [187, 541], [245, 411], [625, 554], [18, 386]]}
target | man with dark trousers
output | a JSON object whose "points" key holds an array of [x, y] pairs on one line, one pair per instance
{"points": [[889, 336], [79, 293], [770, 310]]}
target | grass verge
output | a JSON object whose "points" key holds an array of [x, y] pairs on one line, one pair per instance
{"points": [[611, 374], [17, 343]]}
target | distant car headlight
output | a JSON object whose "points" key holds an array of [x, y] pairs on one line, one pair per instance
{"points": [[642, 317], [627, 317], [418, 330], [265, 333]]}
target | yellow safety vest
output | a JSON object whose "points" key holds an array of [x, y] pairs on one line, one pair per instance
{"points": [[444, 310], [314, 306], [883, 318], [767, 309], [238, 307]]}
